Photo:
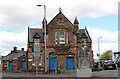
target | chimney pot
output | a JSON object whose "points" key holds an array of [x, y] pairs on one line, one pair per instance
{"points": [[22, 49], [15, 48]]}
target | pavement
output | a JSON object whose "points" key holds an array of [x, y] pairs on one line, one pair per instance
{"points": [[104, 74]]}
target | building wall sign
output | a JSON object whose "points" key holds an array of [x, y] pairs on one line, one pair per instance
{"points": [[52, 57]]}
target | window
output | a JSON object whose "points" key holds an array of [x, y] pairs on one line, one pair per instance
{"points": [[36, 42], [66, 37], [33, 60], [40, 60], [83, 42], [36, 52], [5, 63], [55, 37], [62, 37]]}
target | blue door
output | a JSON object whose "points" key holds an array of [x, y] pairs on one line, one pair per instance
{"points": [[23, 65], [52, 64], [10, 65], [70, 63]]}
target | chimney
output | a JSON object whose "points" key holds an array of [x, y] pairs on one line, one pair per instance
{"points": [[76, 23], [15, 48], [22, 49]]}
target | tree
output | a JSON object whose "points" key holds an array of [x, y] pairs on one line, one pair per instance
{"points": [[106, 55]]}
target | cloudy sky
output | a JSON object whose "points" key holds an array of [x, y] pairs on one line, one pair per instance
{"points": [[99, 16]]}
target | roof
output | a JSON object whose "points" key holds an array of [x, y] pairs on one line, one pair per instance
{"points": [[60, 16], [80, 34], [54, 23], [33, 31], [76, 21], [12, 56]]}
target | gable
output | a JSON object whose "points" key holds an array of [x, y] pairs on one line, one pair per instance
{"points": [[82, 33], [33, 31], [60, 21]]}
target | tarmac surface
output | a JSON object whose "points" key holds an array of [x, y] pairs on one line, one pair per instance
{"points": [[69, 74]]}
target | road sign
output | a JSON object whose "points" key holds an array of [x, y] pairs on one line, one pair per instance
{"points": [[98, 54]]}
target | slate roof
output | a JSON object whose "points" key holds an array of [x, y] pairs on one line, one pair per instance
{"points": [[33, 31], [12, 56], [80, 34]]}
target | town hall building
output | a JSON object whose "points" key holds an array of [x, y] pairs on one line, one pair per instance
{"points": [[63, 43]]}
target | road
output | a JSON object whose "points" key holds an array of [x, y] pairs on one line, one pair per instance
{"points": [[104, 73]]}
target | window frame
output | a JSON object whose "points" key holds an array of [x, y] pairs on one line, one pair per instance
{"points": [[56, 38], [83, 42]]}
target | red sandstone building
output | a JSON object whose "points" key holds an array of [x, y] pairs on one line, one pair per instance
{"points": [[16, 60], [64, 40]]}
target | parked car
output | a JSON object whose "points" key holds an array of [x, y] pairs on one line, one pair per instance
{"points": [[118, 64], [109, 64], [100, 64], [95, 66]]}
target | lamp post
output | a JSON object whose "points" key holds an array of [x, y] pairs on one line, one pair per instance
{"points": [[45, 31], [99, 50]]}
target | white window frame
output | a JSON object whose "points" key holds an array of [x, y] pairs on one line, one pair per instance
{"points": [[5, 64], [67, 37], [55, 37]]}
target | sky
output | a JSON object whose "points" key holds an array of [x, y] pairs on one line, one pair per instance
{"points": [[99, 16]]}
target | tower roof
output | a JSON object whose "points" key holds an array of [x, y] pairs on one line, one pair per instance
{"points": [[76, 21]]}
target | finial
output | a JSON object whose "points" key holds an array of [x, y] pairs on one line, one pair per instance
{"points": [[60, 10], [76, 21]]}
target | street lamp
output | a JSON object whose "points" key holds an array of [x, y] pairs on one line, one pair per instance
{"points": [[98, 45], [45, 31], [99, 50]]}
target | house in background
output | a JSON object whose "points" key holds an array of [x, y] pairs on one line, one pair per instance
{"points": [[64, 40], [16, 60]]}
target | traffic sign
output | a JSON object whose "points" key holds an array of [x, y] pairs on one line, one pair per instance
{"points": [[98, 54]]}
